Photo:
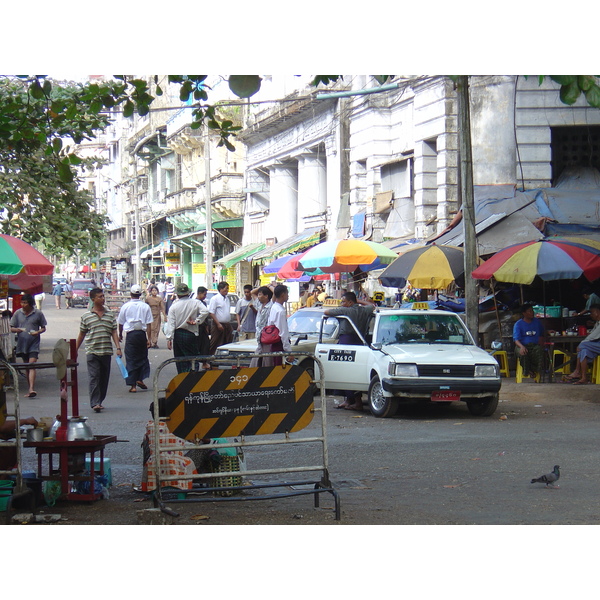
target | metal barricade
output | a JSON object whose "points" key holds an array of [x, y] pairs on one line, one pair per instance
{"points": [[235, 395]]}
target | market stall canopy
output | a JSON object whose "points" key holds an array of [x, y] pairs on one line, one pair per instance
{"points": [[548, 259], [243, 253], [430, 267], [345, 256], [17, 256]]}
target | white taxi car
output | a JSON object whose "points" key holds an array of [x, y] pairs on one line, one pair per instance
{"points": [[426, 355]]}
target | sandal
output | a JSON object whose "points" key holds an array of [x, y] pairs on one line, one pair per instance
{"points": [[141, 385], [132, 390]]}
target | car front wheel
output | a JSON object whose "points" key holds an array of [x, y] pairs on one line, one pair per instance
{"points": [[380, 405], [485, 407]]}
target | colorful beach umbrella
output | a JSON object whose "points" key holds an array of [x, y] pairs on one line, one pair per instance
{"points": [[429, 267], [345, 256], [17, 256], [548, 259]]}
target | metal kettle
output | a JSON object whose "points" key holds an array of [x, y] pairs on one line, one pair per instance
{"points": [[79, 430]]}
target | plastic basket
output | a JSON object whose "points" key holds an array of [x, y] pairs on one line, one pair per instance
{"points": [[226, 464], [6, 486]]}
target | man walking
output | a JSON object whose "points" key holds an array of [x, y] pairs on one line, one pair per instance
{"points": [[245, 312], [278, 317], [184, 319], [68, 291], [28, 323], [359, 312], [204, 328], [221, 331], [135, 319], [98, 327]]}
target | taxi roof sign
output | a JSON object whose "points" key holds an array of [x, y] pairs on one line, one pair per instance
{"points": [[420, 306]]}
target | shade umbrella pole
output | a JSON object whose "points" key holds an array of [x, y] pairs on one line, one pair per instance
{"points": [[497, 311]]}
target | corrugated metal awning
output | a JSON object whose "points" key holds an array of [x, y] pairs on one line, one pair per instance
{"points": [[300, 241]]}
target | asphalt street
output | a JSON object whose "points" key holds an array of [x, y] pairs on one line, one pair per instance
{"points": [[427, 465]]}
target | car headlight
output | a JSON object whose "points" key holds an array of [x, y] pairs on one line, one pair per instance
{"points": [[486, 370], [403, 370], [222, 352]]}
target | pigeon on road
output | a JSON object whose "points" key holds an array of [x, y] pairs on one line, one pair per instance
{"points": [[549, 478]]}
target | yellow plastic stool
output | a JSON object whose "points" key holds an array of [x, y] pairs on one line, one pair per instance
{"points": [[519, 376], [596, 370], [565, 369], [502, 357]]}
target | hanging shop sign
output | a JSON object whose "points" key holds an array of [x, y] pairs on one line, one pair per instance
{"points": [[173, 264]]}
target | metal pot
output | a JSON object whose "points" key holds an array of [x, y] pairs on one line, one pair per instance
{"points": [[78, 430], [36, 434]]}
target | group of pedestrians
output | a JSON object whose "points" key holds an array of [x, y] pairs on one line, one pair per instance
{"points": [[62, 289]]}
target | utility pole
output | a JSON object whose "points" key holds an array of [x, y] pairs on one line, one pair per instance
{"points": [[208, 256], [468, 205], [137, 232]]}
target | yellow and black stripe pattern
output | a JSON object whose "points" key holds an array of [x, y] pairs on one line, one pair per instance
{"points": [[252, 401]]}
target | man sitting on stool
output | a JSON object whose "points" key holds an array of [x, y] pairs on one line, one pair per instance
{"points": [[528, 335], [587, 350]]}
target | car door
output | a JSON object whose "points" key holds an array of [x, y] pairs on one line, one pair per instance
{"points": [[345, 366]]}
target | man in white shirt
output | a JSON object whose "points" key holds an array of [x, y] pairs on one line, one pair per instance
{"points": [[278, 317], [135, 319], [184, 318], [245, 311], [219, 309]]}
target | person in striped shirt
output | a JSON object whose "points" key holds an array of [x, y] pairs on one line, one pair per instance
{"points": [[98, 327]]}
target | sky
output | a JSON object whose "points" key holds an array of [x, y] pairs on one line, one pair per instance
{"points": [[427, 38]]}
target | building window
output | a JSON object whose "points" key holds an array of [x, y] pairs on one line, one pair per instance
{"points": [[577, 146], [397, 177]]}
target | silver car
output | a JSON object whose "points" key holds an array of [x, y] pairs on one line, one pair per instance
{"points": [[304, 326]]}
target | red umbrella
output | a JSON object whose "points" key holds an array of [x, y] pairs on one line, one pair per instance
{"points": [[17, 256], [85, 269]]}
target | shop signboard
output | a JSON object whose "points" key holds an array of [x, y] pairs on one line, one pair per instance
{"points": [[173, 264]]}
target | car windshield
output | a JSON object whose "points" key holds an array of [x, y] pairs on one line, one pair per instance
{"points": [[421, 329], [82, 285], [306, 322]]}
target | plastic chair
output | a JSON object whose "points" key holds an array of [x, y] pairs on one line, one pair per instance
{"points": [[565, 365], [519, 376], [502, 357]]}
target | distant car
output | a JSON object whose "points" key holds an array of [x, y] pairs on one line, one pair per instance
{"points": [[233, 300], [61, 280], [305, 328], [81, 292]]}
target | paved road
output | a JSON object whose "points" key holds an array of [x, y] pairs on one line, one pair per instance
{"points": [[434, 465]]}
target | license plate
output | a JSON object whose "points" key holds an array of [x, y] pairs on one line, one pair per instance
{"points": [[445, 396]]}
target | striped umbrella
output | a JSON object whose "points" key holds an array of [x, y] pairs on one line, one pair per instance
{"points": [[549, 259], [429, 267], [345, 256], [17, 256]]}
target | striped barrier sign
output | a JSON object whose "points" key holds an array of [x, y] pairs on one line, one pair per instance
{"points": [[250, 401]]}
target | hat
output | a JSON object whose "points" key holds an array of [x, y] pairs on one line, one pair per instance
{"points": [[60, 353], [182, 289], [136, 290]]}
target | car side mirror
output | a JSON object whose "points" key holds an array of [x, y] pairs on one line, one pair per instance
{"points": [[377, 346]]}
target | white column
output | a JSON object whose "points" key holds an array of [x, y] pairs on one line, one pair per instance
{"points": [[312, 186], [283, 201]]}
